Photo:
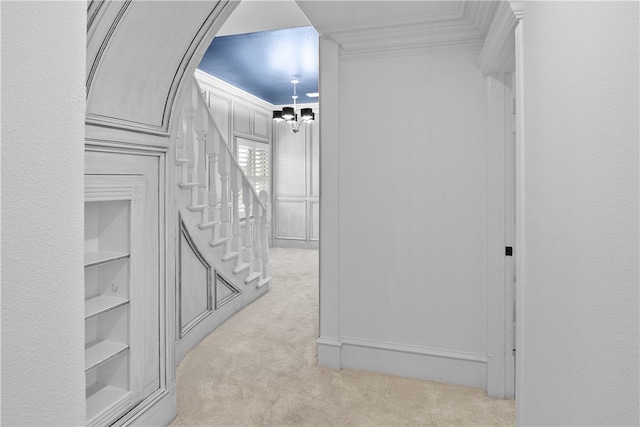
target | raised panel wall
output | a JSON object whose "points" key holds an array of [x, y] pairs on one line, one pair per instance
{"points": [[194, 287], [315, 221], [241, 118], [292, 165], [297, 185], [221, 109], [291, 220], [261, 124]]}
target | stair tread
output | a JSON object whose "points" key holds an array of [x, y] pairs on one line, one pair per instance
{"points": [[230, 255], [210, 224], [188, 184], [242, 267], [219, 242], [254, 276], [196, 208], [263, 282]]}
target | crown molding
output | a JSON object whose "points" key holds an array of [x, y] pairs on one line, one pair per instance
{"points": [[518, 8], [354, 27], [231, 90], [497, 54], [463, 30], [395, 52]]}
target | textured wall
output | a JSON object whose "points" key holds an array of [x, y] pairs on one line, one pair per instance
{"points": [[579, 340], [42, 212]]}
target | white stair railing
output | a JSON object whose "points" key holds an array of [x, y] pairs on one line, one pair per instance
{"points": [[211, 172]]}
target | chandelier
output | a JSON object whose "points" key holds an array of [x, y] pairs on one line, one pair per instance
{"points": [[289, 115]]}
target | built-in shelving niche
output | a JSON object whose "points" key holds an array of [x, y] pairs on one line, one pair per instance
{"points": [[107, 309]]}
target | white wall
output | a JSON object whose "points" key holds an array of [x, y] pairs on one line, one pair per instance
{"points": [[412, 212], [42, 220], [578, 346]]}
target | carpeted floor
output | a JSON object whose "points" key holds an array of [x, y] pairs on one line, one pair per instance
{"points": [[259, 368]]}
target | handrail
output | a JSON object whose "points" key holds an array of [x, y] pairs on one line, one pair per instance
{"points": [[228, 148]]}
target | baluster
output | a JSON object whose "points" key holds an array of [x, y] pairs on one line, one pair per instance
{"points": [[247, 198], [265, 225], [213, 145], [236, 242], [224, 195], [257, 225], [190, 140], [201, 125]]}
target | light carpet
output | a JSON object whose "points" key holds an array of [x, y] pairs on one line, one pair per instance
{"points": [[259, 368]]}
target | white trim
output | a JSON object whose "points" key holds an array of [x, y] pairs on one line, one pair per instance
{"points": [[329, 322], [231, 90], [496, 164], [424, 351], [447, 366], [467, 26], [520, 214], [498, 50], [329, 352], [396, 52]]}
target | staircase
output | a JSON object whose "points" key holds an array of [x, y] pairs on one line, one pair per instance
{"points": [[226, 220]]}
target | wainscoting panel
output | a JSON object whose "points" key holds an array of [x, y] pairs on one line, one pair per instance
{"points": [[225, 291], [194, 284], [313, 139], [241, 118], [291, 162], [291, 220], [261, 124], [221, 109], [315, 220]]}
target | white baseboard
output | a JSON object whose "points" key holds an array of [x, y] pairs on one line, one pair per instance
{"points": [[295, 244], [446, 366], [160, 413], [329, 353]]}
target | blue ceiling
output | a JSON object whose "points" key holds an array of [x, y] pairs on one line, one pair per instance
{"points": [[264, 63]]}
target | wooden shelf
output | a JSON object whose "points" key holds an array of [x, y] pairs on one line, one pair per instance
{"points": [[92, 259], [100, 397], [101, 352], [101, 304]]}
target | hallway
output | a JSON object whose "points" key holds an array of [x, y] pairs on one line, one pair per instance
{"points": [[259, 368]]}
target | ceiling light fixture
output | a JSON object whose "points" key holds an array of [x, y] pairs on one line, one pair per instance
{"points": [[289, 115]]}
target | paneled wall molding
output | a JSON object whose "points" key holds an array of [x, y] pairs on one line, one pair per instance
{"points": [[246, 115], [230, 291], [123, 91], [231, 90], [498, 52], [296, 184], [97, 135], [185, 325], [98, 36]]}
